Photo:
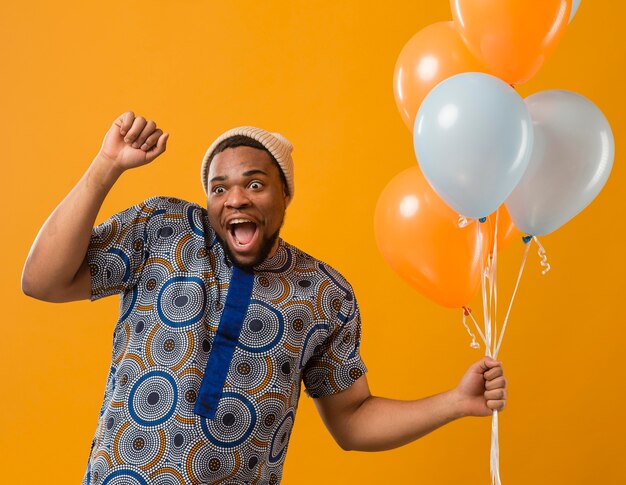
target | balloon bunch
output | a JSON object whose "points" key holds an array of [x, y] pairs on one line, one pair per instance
{"points": [[491, 164]]}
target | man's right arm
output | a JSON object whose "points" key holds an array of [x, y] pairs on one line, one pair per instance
{"points": [[56, 269]]}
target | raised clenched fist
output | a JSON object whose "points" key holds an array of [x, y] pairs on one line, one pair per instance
{"points": [[133, 141]]}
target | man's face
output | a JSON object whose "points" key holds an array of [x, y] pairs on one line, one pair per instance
{"points": [[246, 203]]}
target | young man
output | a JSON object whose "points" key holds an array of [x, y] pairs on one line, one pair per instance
{"points": [[220, 322]]}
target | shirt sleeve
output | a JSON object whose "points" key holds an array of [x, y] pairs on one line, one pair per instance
{"points": [[119, 248], [337, 364]]}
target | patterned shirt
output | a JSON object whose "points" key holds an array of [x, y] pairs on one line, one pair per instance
{"points": [[302, 324]]}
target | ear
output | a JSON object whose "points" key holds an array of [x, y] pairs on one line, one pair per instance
{"points": [[286, 197]]}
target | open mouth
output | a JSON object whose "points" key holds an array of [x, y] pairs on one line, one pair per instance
{"points": [[242, 232]]}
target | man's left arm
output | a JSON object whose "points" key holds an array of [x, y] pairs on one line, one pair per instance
{"points": [[359, 421]]}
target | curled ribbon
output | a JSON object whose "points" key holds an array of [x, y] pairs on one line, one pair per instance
{"points": [[464, 221], [542, 255], [467, 312]]}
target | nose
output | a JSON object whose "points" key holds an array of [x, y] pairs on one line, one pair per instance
{"points": [[237, 198]]}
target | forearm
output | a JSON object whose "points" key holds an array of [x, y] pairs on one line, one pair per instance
{"points": [[382, 424], [61, 245], [359, 421]]}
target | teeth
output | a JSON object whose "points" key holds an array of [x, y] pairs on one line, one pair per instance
{"points": [[231, 225]]}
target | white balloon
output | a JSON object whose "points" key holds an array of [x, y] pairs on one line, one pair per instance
{"points": [[473, 138], [570, 162]]}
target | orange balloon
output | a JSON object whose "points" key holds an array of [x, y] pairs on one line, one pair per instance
{"points": [[511, 37], [507, 231], [419, 236], [435, 53]]}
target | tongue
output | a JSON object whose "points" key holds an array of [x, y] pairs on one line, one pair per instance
{"points": [[244, 232]]}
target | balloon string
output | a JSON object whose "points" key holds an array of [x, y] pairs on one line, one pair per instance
{"points": [[464, 221], [494, 457], [542, 255], [493, 279], [486, 319], [491, 320], [473, 344], [467, 312], [508, 312]]}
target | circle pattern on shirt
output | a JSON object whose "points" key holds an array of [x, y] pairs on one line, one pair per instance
{"points": [[179, 439], [138, 447], [125, 476], [272, 408], [210, 465], [234, 421], [274, 287], [128, 304], [169, 348], [99, 467], [262, 329], [111, 421], [182, 301], [249, 372], [155, 273], [121, 337], [317, 378], [312, 342], [281, 438], [188, 256], [188, 386], [304, 294], [299, 315], [194, 218], [167, 476], [281, 262], [117, 264], [127, 372], [152, 399], [137, 324], [343, 345]]}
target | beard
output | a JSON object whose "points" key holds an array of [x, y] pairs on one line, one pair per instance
{"points": [[266, 246]]}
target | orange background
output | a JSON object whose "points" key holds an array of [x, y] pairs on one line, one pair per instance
{"points": [[321, 73]]}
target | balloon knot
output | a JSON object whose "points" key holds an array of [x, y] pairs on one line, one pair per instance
{"points": [[467, 311], [482, 219], [527, 239]]}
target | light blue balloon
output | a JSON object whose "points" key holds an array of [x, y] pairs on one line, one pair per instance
{"points": [[473, 138], [575, 4], [571, 161]]}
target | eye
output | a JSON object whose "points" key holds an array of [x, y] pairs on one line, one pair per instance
{"points": [[219, 190], [255, 185]]}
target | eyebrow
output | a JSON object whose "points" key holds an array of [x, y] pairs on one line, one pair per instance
{"points": [[254, 172], [222, 178]]}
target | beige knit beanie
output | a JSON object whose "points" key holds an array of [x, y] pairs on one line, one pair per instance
{"points": [[275, 143]]}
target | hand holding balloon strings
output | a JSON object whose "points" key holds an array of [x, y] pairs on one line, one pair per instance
{"points": [[507, 164]]}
